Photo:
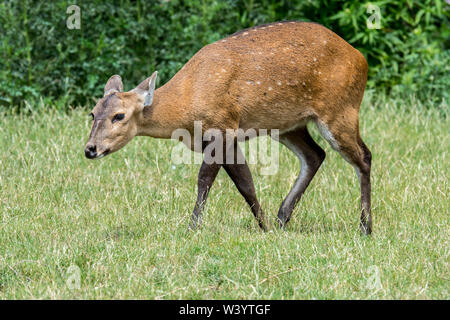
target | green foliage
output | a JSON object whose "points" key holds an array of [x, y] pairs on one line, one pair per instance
{"points": [[40, 58]]}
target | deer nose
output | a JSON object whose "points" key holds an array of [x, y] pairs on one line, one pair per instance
{"points": [[90, 152]]}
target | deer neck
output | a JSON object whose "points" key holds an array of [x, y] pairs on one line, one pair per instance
{"points": [[163, 117]]}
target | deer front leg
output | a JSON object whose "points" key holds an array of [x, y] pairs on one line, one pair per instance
{"points": [[206, 177], [240, 173]]}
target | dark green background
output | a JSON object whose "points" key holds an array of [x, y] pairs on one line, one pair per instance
{"points": [[42, 60]]}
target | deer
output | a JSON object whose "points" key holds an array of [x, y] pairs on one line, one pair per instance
{"points": [[281, 76]]}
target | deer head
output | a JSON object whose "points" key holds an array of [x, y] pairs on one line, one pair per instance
{"points": [[116, 116]]}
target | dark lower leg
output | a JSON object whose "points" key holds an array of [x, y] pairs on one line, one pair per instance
{"points": [[242, 178], [306, 175], [366, 216], [311, 156], [206, 177]]}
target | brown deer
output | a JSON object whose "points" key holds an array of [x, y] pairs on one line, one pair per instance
{"points": [[275, 76]]}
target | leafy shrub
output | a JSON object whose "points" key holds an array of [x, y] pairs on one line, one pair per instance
{"points": [[40, 58]]}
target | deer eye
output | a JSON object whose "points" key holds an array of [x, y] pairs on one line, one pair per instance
{"points": [[118, 117]]}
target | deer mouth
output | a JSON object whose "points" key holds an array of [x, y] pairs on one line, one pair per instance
{"points": [[104, 153]]}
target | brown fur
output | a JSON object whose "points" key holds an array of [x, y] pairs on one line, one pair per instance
{"points": [[272, 78]]}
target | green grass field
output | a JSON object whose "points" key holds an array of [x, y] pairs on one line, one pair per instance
{"points": [[122, 221]]}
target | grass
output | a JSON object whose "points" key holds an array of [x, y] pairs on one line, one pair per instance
{"points": [[122, 221]]}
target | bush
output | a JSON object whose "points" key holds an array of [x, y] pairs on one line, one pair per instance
{"points": [[42, 59]]}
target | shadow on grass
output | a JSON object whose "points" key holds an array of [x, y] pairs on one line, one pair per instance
{"points": [[124, 232]]}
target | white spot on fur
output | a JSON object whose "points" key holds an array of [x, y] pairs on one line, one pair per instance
{"points": [[245, 33], [279, 83], [223, 70], [258, 82], [270, 89], [315, 59]]}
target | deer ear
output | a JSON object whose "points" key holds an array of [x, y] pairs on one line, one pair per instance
{"points": [[146, 89], [114, 84]]}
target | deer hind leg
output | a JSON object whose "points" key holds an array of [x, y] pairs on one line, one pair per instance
{"points": [[311, 157], [344, 137]]}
